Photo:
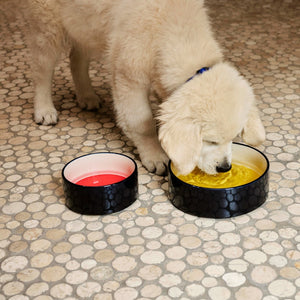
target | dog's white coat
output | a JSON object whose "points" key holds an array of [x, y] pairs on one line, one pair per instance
{"points": [[148, 44]]}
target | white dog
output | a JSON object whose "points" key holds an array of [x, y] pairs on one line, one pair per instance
{"points": [[149, 44]]}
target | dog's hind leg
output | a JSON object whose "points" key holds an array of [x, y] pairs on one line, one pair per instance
{"points": [[45, 39], [86, 96], [43, 65], [134, 116]]}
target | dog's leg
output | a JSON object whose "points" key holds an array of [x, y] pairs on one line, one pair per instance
{"points": [[134, 116], [43, 68], [254, 132], [45, 41], [86, 96]]}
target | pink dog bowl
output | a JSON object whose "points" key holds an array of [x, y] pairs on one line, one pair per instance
{"points": [[100, 183]]}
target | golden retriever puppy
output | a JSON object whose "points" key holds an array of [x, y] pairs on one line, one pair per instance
{"points": [[148, 45]]}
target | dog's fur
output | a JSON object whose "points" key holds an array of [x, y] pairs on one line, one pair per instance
{"points": [[148, 44]]}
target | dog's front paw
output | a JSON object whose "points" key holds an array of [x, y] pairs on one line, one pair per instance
{"points": [[46, 116], [89, 102], [156, 163]]}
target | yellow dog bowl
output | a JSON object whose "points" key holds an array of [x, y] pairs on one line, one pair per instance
{"points": [[239, 191]]}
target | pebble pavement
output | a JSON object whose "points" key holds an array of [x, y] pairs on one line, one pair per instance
{"points": [[150, 250]]}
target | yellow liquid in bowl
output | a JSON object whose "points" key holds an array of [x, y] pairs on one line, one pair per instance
{"points": [[238, 175]]}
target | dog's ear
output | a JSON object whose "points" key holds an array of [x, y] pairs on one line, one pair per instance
{"points": [[180, 128], [182, 142], [254, 132]]}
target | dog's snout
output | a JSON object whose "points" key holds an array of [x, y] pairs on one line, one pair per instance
{"points": [[225, 167]]}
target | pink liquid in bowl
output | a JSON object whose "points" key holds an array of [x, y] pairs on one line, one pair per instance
{"points": [[100, 180]]}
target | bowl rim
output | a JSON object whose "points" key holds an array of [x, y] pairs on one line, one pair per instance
{"points": [[233, 187], [99, 186]]}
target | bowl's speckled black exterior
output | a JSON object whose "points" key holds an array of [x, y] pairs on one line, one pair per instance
{"points": [[219, 203], [101, 200]]}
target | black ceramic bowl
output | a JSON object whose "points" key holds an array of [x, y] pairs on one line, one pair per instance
{"points": [[100, 183], [223, 202]]}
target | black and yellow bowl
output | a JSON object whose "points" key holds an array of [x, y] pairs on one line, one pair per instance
{"points": [[223, 202]]}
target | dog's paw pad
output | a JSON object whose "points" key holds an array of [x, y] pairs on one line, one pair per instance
{"points": [[46, 117], [91, 102]]}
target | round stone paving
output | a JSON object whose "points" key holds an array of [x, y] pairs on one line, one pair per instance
{"points": [[150, 250]]}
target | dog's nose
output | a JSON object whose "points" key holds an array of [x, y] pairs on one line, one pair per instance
{"points": [[225, 167]]}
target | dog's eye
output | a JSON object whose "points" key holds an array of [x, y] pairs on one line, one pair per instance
{"points": [[211, 142]]}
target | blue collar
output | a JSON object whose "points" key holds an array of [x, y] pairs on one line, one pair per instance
{"points": [[200, 71]]}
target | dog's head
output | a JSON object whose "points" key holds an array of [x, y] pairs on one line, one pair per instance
{"points": [[200, 119]]}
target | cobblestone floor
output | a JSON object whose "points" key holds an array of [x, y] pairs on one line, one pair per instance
{"points": [[150, 250]]}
